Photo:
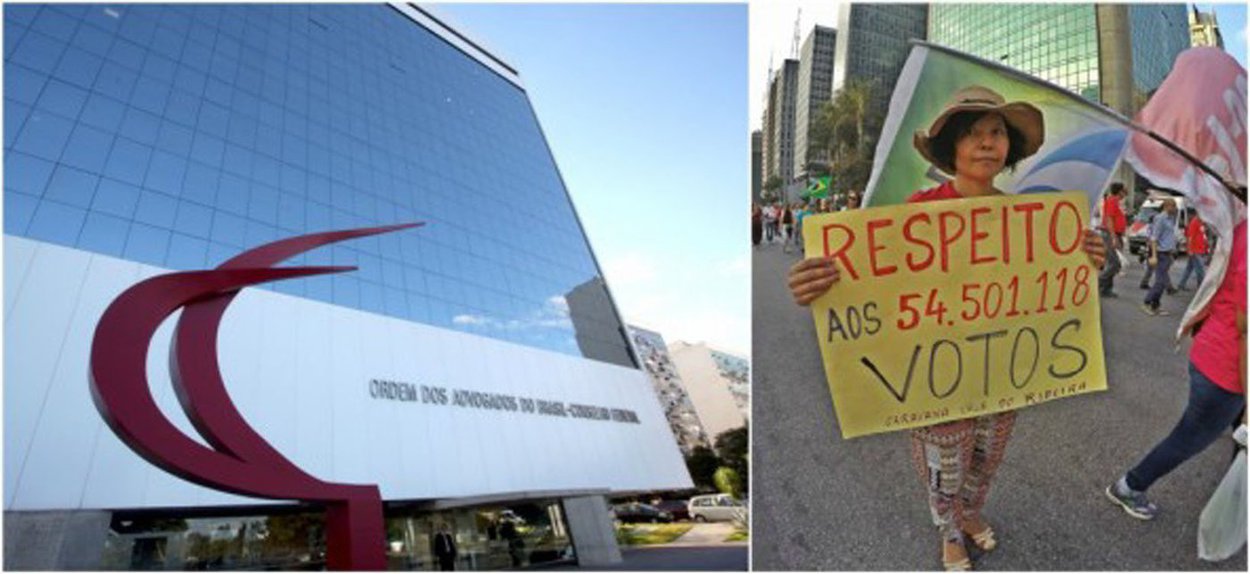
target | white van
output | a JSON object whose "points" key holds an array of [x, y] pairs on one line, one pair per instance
{"points": [[714, 508], [1138, 232]]}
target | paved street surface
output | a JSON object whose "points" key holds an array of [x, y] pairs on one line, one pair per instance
{"points": [[823, 503]]}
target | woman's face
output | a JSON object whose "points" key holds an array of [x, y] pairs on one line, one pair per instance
{"points": [[982, 152]]}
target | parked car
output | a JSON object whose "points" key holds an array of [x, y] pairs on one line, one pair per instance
{"points": [[715, 507], [639, 512], [677, 508], [1138, 231]]}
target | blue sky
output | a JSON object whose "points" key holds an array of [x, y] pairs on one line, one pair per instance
{"points": [[1232, 20], [645, 109]]}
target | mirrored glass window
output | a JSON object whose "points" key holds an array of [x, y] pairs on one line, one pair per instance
{"points": [[203, 130]]}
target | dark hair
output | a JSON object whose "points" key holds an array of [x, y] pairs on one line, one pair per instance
{"points": [[959, 125], [1117, 188]]}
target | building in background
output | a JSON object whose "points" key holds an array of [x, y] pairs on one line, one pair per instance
{"points": [[815, 87], [682, 418], [718, 384], [1204, 29], [779, 123], [873, 43], [757, 164], [1115, 53], [145, 138]]}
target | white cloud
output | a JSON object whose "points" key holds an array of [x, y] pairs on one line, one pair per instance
{"points": [[553, 315]]}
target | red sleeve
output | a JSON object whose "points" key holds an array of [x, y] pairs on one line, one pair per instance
{"points": [[1237, 266]]}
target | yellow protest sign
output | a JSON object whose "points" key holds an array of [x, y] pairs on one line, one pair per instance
{"points": [[951, 309]]}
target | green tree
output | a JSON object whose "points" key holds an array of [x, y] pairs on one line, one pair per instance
{"points": [[702, 464], [729, 482], [733, 449], [771, 188], [847, 130]]}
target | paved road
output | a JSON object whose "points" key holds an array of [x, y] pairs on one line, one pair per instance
{"points": [[822, 503]]}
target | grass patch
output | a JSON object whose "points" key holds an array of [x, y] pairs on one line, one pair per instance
{"points": [[644, 534], [739, 536]]}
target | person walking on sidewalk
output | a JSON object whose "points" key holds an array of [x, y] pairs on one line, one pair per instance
{"points": [[1113, 226], [1162, 246], [1217, 388], [1196, 250], [977, 136]]}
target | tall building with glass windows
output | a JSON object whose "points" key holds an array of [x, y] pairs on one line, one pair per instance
{"points": [[873, 43], [141, 139], [1116, 54], [1204, 29], [815, 87], [779, 122]]}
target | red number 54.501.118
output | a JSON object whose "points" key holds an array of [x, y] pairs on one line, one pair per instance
{"points": [[1068, 286]]}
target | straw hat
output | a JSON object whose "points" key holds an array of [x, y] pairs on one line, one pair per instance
{"points": [[1023, 117]]}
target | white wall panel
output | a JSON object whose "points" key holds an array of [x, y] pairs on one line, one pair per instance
{"points": [[35, 332], [299, 372], [17, 258]]}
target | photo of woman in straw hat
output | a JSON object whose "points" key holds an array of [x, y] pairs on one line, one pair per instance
{"points": [[975, 138]]}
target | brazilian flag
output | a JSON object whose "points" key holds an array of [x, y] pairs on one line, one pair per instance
{"points": [[817, 188]]}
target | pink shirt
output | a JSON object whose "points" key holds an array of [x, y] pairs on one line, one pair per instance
{"points": [[1215, 347]]}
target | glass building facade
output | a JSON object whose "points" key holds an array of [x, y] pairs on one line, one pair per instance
{"points": [[1159, 32], [815, 87], [873, 42], [1055, 42], [1060, 43], [180, 135], [489, 537]]}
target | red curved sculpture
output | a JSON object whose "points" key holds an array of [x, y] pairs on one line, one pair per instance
{"points": [[240, 460]]}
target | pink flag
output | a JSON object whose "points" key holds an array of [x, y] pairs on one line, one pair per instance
{"points": [[1201, 107]]}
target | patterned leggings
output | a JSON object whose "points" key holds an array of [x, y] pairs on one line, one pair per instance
{"points": [[957, 461]]}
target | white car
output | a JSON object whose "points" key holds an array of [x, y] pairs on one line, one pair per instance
{"points": [[714, 508]]}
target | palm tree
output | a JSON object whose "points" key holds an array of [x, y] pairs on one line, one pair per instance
{"points": [[844, 130]]}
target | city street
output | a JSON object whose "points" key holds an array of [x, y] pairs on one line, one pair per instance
{"points": [[824, 503]]}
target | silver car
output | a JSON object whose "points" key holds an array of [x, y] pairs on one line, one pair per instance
{"points": [[715, 508]]}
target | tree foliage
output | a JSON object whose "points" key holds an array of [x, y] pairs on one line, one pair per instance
{"points": [[729, 482], [702, 464], [847, 131], [733, 449]]}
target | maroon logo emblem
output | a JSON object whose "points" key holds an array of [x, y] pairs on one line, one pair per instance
{"points": [[239, 461]]}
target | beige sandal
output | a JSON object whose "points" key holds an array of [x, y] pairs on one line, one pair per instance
{"points": [[955, 565], [984, 539]]}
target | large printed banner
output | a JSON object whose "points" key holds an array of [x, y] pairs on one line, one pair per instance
{"points": [[1084, 141], [952, 309]]}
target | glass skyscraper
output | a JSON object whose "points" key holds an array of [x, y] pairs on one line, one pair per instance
{"points": [[1066, 44], [178, 135], [1055, 42], [873, 42]]}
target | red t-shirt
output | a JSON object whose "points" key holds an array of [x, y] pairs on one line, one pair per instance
{"points": [[1113, 216], [944, 191], [1215, 347], [1196, 238]]}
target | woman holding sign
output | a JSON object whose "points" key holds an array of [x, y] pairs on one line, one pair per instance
{"points": [[975, 138]]}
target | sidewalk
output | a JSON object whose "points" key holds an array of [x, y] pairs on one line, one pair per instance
{"points": [[708, 534]]}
